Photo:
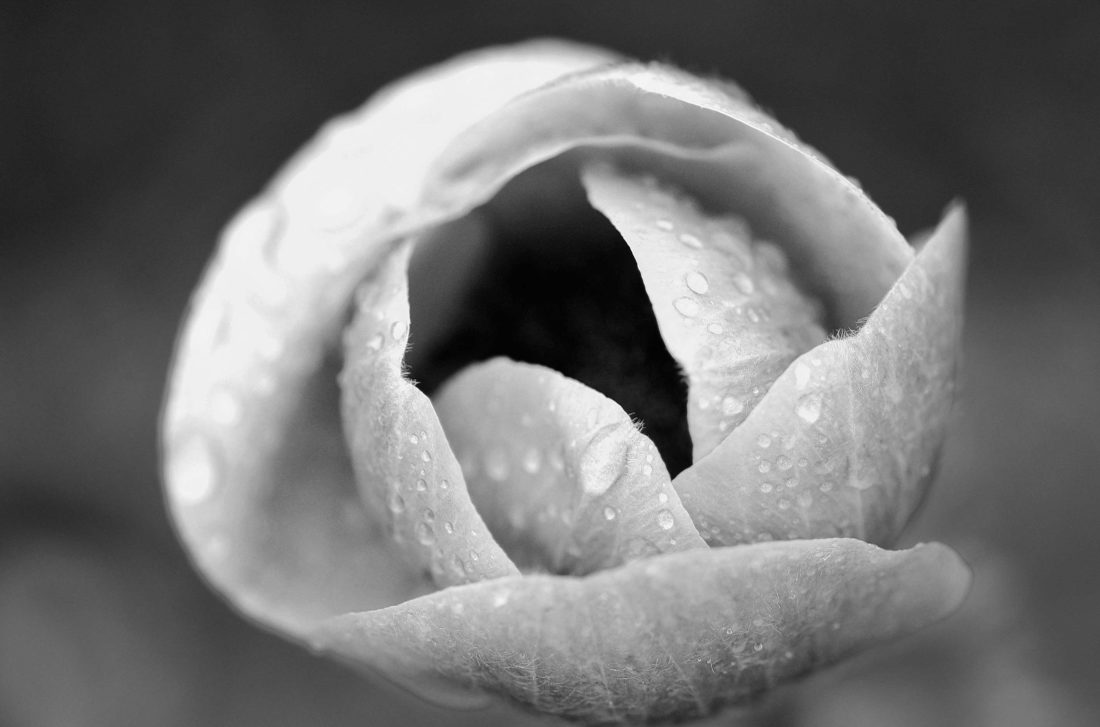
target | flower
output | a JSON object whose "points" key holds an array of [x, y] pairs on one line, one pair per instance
{"points": [[518, 534]]}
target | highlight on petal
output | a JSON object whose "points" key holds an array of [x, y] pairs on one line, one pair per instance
{"points": [[845, 441], [670, 637], [565, 481], [726, 306]]}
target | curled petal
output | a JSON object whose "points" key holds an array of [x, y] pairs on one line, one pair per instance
{"points": [[259, 483], [727, 310], [561, 474], [405, 468], [845, 441], [673, 636]]}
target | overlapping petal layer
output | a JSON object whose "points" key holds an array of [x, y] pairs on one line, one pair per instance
{"points": [[263, 489]]}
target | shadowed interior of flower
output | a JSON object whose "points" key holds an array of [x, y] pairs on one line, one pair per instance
{"points": [[625, 245]]}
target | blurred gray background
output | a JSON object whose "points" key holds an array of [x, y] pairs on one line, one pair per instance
{"points": [[130, 131]]}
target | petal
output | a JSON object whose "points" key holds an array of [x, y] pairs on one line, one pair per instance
{"points": [[404, 466], [670, 637], [711, 141], [258, 480], [726, 307], [559, 471], [845, 441]]}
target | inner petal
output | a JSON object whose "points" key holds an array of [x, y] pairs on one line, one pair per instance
{"points": [[726, 304], [562, 477]]}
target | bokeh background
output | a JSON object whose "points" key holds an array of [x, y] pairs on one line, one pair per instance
{"points": [[130, 131]]}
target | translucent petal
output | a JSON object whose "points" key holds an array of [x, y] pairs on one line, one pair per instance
{"points": [[845, 442], [559, 471], [670, 637], [727, 309]]}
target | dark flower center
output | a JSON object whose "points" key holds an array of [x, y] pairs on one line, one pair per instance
{"points": [[567, 294]]}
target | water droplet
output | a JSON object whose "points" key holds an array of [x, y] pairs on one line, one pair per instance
{"points": [[791, 483], [532, 460], [801, 375], [449, 528], [425, 535], [397, 503], [687, 307], [421, 486], [496, 464], [784, 504], [444, 484], [193, 475], [665, 520], [764, 467], [413, 439], [861, 484], [697, 282], [803, 462], [753, 314], [609, 513], [474, 556], [744, 284], [809, 408], [691, 241], [763, 441], [783, 462], [758, 647], [225, 407], [665, 225], [375, 342], [647, 470], [767, 487], [429, 515], [662, 497], [826, 486], [731, 406], [715, 328], [398, 330], [426, 456]]}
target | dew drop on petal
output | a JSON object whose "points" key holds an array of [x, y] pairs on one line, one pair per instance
{"points": [[532, 461], [398, 330], [764, 467], [763, 441], [732, 406], [767, 487], [809, 408], [396, 503], [425, 535], [375, 342], [496, 464], [744, 284], [715, 328], [449, 528], [426, 456], [609, 513], [194, 473], [421, 486], [662, 498], [691, 241], [665, 520], [697, 282], [665, 225], [687, 307], [801, 375], [783, 462]]}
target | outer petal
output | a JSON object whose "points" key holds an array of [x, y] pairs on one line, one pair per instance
{"points": [[674, 636], [259, 482], [845, 441], [707, 139], [561, 474]]}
